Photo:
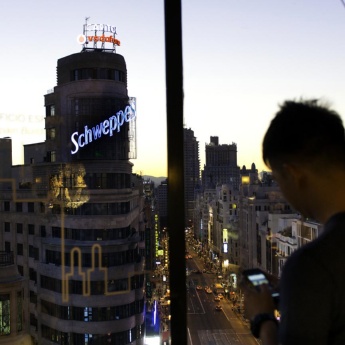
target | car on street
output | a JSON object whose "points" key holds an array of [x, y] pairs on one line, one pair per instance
{"points": [[217, 299], [220, 296], [218, 307], [208, 291], [198, 287]]}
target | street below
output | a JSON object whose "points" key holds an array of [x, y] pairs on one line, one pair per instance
{"points": [[207, 325]]}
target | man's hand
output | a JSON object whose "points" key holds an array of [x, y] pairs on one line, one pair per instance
{"points": [[257, 301]]}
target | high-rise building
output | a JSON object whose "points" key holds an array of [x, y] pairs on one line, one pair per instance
{"points": [[191, 172], [221, 165], [72, 213], [162, 203]]}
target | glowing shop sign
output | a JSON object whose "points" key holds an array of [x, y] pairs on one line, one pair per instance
{"points": [[107, 127]]}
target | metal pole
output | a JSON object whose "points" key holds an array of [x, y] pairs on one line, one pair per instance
{"points": [[176, 216]]}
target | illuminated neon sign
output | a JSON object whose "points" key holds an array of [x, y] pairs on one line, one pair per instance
{"points": [[101, 27], [106, 127], [93, 33], [82, 39]]}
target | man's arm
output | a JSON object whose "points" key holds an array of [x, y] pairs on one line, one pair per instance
{"points": [[269, 333], [259, 309]]}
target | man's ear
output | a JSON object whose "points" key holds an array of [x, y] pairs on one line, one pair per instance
{"points": [[295, 173]]}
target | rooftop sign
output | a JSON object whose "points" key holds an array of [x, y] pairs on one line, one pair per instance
{"points": [[98, 36]]}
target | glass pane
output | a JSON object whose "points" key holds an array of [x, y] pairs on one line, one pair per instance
{"points": [[83, 179]]}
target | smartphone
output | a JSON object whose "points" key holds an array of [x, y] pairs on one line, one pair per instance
{"points": [[257, 277]]}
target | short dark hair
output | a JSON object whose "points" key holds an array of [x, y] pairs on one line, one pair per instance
{"points": [[304, 130]]}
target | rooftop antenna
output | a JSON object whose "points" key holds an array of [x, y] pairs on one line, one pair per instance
{"points": [[85, 32]]}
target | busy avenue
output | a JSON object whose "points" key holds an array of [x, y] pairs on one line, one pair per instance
{"points": [[211, 319]]}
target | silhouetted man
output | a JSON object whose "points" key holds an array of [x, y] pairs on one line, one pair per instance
{"points": [[304, 147]]}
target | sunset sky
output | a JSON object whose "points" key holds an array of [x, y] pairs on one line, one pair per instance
{"points": [[241, 59]]}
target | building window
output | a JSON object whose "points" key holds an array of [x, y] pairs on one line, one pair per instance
{"points": [[31, 207], [19, 249], [31, 251], [51, 156], [5, 314], [6, 206], [76, 74], [33, 297], [33, 321], [119, 76], [76, 107], [7, 227], [31, 229], [50, 133], [19, 207], [32, 275], [52, 110], [36, 254], [21, 270], [19, 228], [56, 232]]}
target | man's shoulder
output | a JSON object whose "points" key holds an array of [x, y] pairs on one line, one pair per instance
{"points": [[325, 249], [334, 223]]}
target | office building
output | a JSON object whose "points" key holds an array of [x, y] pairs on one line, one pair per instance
{"points": [[221, 165], [162, 203], [191, 173]]}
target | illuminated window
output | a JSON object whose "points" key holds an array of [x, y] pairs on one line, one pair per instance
{"points": [[19, 311], [50, 133], [51, 156], [5, 314], [52, 110]]}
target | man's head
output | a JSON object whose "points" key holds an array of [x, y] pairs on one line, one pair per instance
{"points": [[304, 144], [304, 131]]}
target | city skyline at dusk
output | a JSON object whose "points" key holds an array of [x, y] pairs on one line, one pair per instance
{"points": [[240, 61]]}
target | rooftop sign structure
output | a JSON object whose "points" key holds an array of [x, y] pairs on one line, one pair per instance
{"points": [[99, 37]]}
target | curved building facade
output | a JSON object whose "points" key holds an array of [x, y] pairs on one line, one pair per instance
{"points": [[85, 265]]}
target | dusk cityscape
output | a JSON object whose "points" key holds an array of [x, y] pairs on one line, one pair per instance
{"points": [[86, 255]]}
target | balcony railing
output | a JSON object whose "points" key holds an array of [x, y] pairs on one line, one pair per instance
{"points": [[6, 258]]}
